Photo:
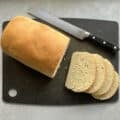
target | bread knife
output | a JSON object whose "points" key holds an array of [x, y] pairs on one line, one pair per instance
{"points": [[71, 29]]}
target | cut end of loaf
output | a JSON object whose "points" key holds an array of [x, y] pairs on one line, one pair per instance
{"points": [[60, 60]]}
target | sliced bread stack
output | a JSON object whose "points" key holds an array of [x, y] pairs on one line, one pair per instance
{"points": [[92, 74]]}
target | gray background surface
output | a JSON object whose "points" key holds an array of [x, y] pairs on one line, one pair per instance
{"points": [[94, 9]]}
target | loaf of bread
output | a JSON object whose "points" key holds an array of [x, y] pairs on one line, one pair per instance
{"points": [[81, 74], [34, 44]]}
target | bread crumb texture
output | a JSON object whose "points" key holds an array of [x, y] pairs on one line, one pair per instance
{"points": [[81, 74]]}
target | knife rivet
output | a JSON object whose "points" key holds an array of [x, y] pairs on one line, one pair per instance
{"points": [[93, 37], [104, 42], [115, 47]]}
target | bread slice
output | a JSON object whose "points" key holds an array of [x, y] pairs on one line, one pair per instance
{"points": [[81, 74], [108, 79], [100, 74], [112, 89], [34, 44]]}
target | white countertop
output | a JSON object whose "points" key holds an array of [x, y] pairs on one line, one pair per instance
{"points": [[94, 9]]}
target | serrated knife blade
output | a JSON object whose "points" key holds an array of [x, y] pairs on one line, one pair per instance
{"points": [[71, 29]]}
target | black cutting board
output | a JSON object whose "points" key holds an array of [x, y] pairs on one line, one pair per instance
{"points": [[35, 88]]}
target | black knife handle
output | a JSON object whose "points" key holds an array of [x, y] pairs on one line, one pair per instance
{"points": [[103, 43]]}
